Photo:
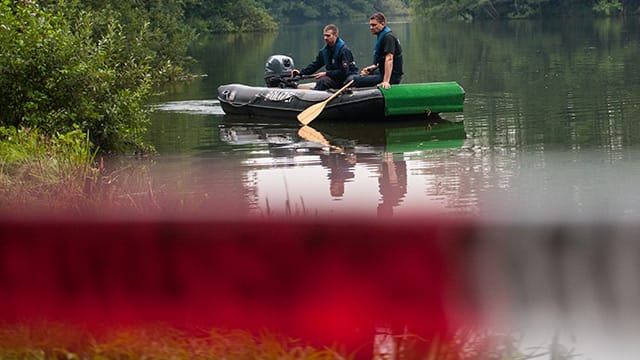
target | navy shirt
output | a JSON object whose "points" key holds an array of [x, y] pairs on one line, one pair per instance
{"points": [[390, 44]]}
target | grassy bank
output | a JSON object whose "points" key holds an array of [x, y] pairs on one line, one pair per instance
{"points": [[59, 341], [42, 172], [64, 175]]}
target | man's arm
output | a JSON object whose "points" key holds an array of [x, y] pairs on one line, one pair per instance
{"points": [[388, 69], [314, 66]]}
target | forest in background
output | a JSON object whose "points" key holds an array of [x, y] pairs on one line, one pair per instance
{"points": [[255, 15], [522, 9]]}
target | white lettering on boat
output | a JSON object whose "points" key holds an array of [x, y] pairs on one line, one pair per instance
{"points": [[279, 95]]}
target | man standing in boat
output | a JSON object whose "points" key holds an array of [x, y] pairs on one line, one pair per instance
{"points": [[337, 59], [387, 57]]}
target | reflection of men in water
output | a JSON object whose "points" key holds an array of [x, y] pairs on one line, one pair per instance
{"points": [[339, 171], [392, 184]]}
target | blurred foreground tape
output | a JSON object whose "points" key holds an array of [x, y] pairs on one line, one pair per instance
{"points": [[322, 281]]}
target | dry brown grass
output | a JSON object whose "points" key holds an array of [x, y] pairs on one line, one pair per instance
{"points": [[59, 341]]}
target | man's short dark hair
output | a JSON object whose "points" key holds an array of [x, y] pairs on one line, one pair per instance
{"points": [[332, 27], [379, 17]]}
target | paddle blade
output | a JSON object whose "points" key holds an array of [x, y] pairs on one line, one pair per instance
{"points": [[310, 134], [310, 113], [314, 110]]}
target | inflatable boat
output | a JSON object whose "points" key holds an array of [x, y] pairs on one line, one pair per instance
{"points": [[283, 98]]}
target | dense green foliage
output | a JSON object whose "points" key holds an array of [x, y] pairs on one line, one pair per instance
{"points": [[89, 65], [228, 16], [256, 15], [55, 76], [158, 27], [516, 9], [296, 11], [260, 15]]}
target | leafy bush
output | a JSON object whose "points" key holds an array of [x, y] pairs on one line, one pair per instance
{"points": [[56, 76], [158, 25]]}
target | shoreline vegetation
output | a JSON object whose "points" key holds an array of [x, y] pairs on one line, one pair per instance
{"points": [[59, 340]]}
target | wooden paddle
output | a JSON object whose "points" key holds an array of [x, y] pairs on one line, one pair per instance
{"points": [[312, 112]]}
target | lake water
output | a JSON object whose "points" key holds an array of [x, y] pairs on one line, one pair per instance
{"points": [[550, 126], [550, 134]]}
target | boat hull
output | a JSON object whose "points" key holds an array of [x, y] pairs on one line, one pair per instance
{"points": [[401, 101]]}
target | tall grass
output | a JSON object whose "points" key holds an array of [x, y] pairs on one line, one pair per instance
{"points": [[60, 175], [60, 341], [42, 172]]}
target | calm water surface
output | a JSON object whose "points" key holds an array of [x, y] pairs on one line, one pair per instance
{"points": [[549, 130], [550, 133]]}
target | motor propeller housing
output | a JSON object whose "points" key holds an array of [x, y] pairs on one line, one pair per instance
{"points": [[277, 72]]}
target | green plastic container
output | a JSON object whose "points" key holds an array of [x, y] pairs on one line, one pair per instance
{"points": [[412, 99]]}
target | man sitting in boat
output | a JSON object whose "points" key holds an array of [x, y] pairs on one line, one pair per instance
{"points": [[387, 57], [337, 59]]}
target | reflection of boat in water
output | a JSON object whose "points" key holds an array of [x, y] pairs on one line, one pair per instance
{"points": [[343, 150], [406, 136], [432, 137], [256, 135]]}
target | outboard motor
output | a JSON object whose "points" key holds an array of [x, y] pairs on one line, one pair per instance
{"points": [[277, 71]]}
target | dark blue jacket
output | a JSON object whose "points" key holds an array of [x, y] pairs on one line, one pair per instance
{"points": [[338, 62]]}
